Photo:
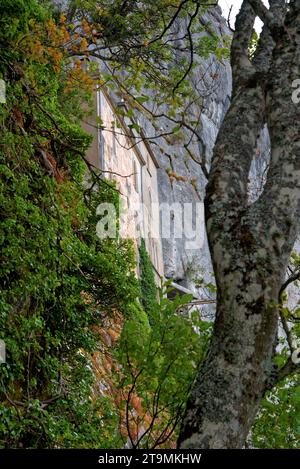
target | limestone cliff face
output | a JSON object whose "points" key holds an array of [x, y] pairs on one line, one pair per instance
{"points": [[212, 80]]}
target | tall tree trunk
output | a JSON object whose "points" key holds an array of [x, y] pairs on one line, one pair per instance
{"points": [[250, 244]]}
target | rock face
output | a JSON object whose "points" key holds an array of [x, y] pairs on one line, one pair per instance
{"points": [[212, 80], [180, 178]]}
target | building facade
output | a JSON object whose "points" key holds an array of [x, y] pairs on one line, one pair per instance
{"points": [[124, 156]]}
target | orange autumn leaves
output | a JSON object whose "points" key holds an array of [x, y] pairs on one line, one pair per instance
{"points": [[45, 43], [76, 76], [57, 45]]}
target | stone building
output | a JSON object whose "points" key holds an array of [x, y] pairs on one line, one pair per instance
{"points": [[128, 159]]}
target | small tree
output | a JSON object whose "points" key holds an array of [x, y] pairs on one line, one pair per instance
{"points": [[159, 365]]}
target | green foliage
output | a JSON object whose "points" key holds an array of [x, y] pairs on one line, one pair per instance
{"points": [[159, 365], [14, 17], [137, 328], [58, 280], [278, 423], [147, 280]]}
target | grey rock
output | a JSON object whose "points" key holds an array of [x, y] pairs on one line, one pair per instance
{"points": [[212, 80]]}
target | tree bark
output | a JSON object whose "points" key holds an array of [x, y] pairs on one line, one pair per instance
{"points": [[250, 245]]}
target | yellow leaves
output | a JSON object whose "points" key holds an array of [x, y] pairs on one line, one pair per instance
{"points": [[62, 19], [58, 35], [56, 55], [74, 48], [172, 175], [86, 27], [51, 28], [65, 33], [96, 33], [78, 77], [51, 25], [88, 82], [84, 44], [100, 81], [52, 42], [101, 11], [37, 49]]}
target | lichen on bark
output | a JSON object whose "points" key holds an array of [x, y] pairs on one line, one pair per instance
{"points": [[250, 244]]}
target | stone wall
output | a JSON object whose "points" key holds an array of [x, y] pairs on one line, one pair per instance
{"points": [[134, 169]]}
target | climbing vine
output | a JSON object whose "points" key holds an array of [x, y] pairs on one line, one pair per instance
{"points": [[60, 284], [58, 280], [147, 280]]}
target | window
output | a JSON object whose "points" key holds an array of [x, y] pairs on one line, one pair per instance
{"points": [[114, 138], [135, 176], [149, 210], [101, 141], [150, 202]]}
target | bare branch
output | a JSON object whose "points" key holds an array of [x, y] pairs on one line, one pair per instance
{"points": [[292, 278], [289, 369], [128, 401], [228, 19], [265, 15], [190, 39]]}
